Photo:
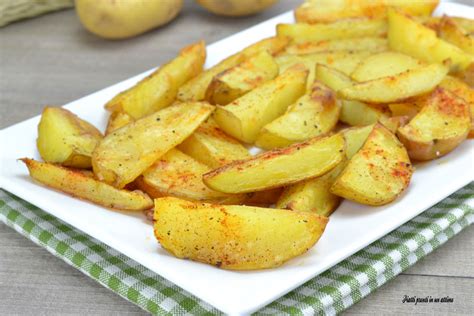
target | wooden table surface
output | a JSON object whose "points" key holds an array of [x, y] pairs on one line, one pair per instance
{"points": [[52, 60]]}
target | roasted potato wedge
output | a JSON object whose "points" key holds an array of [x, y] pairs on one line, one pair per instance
{"points": [[278, 167], [234, 237], [393, 88], [384, 64], [462, 90], [245, 116], [237, 81], [372, 44], [126, 153], [355, 138], [159, 89], [323, 11], [378, 173], [350, 28], [412, 38], [450, 31], [66, 139], [312, 195], [117, 120], [81, 185], [211, 146], [263, 198], [195, 89], [403, 109], [356, 113], [334, 79], [440, 126], [179, 175], [314, 114]]}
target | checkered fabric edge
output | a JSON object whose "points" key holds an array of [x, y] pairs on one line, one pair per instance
{"points": [[327, 294]]}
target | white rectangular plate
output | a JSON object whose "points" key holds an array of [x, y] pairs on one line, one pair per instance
{"points": [[351, 228]]}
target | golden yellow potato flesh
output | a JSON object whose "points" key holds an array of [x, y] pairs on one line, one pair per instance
{"points": [[234, 237]]}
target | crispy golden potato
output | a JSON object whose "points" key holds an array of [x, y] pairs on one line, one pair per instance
{"points": [[234, 237], [394, 123], [278, 167], [393, 88], [384, 65], [66, 139], [378, 173], [177, 174], [245, 116], [351, 28], [316, 11], [465, 23], [450, 31], [406, 108], [440, 126], [117, 120], [211, 146], [355, 138], [82, 185], [356, 113], [314, 114], [123, 155], [159, 89], [312, 195], [462, 90], [412, 38], [373, 44], [237, 81], [195, 89]]}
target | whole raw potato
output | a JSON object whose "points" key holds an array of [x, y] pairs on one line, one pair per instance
{"points": [[117, 19], [236, 7]]}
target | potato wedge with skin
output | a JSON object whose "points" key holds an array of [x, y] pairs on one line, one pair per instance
{"points": [[244, 117], [312, 195], [350, 28], [211, 146], [462, 90], [441, 125], [345, 62], [83, 186], [412, 38], [159, 89], [117, 120], [391, 89], [195, 89], [314, 114], [355, 138], [179, 175], [234, 237], [384, 65], [278, 167], [66, 139], [378, 173], [237, 81], [123, 155], [450, 31], [315, 11], [373, 44]]}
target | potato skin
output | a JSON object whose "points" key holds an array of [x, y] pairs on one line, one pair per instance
{"points": [[125, 18], [441, 125], [81, 184], [378, 173], [66, 139], [236, 7], [234, 237]]}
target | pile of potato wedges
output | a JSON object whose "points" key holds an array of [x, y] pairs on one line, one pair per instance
{"points": [[341, 105]]}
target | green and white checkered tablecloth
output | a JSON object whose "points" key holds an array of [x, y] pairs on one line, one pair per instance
{"points": [[329, 293]]}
